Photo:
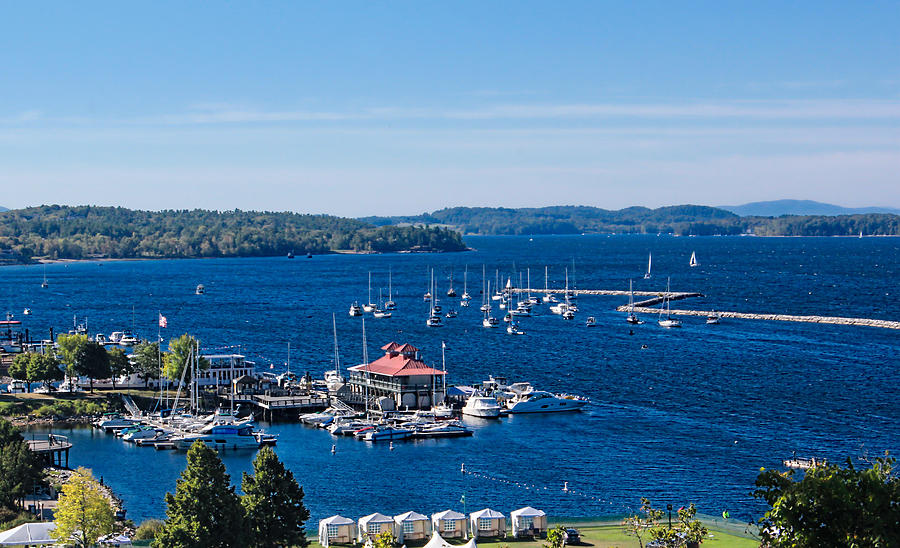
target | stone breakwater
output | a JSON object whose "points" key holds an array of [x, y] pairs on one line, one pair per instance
{"points": [[836, 320]]}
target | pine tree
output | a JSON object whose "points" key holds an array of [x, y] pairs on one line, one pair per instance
{"points": [[83, 513], [273, 501], [204, 512]]}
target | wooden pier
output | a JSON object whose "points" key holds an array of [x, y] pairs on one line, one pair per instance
{"points": [[866, 322], [282, 404], [54, 449]]}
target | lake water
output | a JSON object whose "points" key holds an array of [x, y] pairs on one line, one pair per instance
{"points": [[690, 418]]}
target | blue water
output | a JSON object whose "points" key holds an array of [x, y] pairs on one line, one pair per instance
{"points": [[690, 418]]}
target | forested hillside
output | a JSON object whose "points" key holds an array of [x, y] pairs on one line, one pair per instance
{"points": [[64, 232]]}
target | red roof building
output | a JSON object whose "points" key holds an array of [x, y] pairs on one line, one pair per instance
{"points": [[401, 375]]}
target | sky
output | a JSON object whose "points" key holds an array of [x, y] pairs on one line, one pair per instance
{"points": [[390, 108]]}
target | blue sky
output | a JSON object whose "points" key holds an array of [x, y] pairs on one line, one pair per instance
{"points": [[359, 108]]}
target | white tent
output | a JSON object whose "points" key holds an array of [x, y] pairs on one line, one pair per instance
{"points": [[411, 526], [438, 542], [488, 523], [449, 524], [373, 525], [29, 534], [528, 521], [336, 530]]}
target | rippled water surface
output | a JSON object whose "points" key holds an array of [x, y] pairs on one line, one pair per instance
{"points": [[690, 418]]}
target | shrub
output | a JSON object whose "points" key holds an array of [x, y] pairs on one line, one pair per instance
{"points": [[148, 529]]}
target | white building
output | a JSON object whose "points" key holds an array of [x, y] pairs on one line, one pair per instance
{"points": [[223, 368]]}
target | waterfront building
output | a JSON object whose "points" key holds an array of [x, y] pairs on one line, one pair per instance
{"points": [[449, 524], [398, 379], [411, 526], [487, 523], [223, 368], [528, 522], [336, 530], [373, 525]]}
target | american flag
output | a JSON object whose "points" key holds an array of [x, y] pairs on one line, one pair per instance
{"points": [[163, 322]]}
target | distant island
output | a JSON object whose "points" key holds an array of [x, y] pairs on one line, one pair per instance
{"points": [[777, 208], [683, 220], [90, 232]]}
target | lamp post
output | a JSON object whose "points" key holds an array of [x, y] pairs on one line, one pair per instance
{"points": [[669, 508]]}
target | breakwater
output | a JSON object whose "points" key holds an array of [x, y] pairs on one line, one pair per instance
{"points": [[836, 320]]}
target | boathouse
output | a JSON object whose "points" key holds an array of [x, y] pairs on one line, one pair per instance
{"points": [[528, 522], [488, 523], [400, 375], [337, 530], [411, 526], [449, 524], [223, 368], [373, 525]]}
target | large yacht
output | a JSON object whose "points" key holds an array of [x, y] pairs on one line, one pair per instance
{"points": [[222, 436], [485, 407], [538, 401]]}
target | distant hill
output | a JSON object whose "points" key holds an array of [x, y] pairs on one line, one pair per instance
{"points": [[682, 220], [776, 208], [3, 208]]}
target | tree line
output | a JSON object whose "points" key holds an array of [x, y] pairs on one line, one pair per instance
{"points": [[79, 232], [683, 220]]}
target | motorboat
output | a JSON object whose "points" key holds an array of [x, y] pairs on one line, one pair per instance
{"points": [[712, 319], [128, 339], [388, 433], [140, 433], [446, 429], [464, 303], [539, 401], [27, 312], [568, 315], [355, 310], [452, 313], [490, 321], [199, 290], [513, 329], [344, 426], [114, 421], [485, 407], [591, 322], [222, 436], [508, 317], [434, 321]]}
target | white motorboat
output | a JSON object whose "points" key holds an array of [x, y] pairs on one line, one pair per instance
{"points": [[513, 329], [128, 339], [141, 433], [712, 319], [199, 290], [434, 321], [388, 433], [27, 312], [568, 315], [539, 401], [222, 436], [355, 310], [484, 407], [446, 429], [114, 421], [591, 322]]}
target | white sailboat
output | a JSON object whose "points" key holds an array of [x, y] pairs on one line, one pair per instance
{"points": [[694, 259], [451, 292], [485, 291], [390, 304], [333, 379], [369, 306], [668, 321], [379, 311], [488, 320], [649, 264], [631, 318], [465, 296], [499, 294], [355, 310], [434, 318], [45, 284]]}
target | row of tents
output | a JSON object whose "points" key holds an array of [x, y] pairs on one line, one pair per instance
{"points": [[448, 524]]}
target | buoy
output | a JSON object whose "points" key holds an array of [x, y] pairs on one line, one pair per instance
{"points": [[333, 449], [566, 486], [391, 446], [462, 468]]}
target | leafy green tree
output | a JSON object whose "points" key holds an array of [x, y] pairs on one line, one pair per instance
{"points": [[44, 368], [176, 359], [831, 506], [82, 512], [204, 512], [690, 528], [640, 523], [68, 349], [20, 468], [148, 529], [91, 361], [385, 539], [119, 364], [18, 369], [273, 502], [556, 537], [147, 360]]}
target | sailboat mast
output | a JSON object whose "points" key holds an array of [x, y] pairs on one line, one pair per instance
{"points": [[366, 361], [390, 284], [337, 356]]}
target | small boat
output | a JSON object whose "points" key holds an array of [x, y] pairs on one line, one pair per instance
{"points": [[538, 401], [45, 284], [669, 321], [464, 303], [712, 319], [451, 313], [309, 254], [426, 296], [355, 310], [434, 321], [369, 306], [484, 407], [591, 322], [694, 262], [388, 433], [649, 264], [513, 329], [27, 312], [390, 304], [568, 315], [290, 254], [378, 313], [508, 317], [199, 290], [485, 307], [631, 318], [444, 429], [436, 309]]}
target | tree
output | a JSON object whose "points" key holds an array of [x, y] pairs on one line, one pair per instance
{"points": [[556, 537], [119, 364], [690, 528], [643, 521], [204, 512], [273, 502], [82, 512], [385, 539], [68, 348], [177, 357], [91, 361], [831, 506], [44, 368], [20, 468], [18, 369], [147, 359]]}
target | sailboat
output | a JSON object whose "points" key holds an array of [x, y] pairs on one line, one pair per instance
{"points": [[45, 284], [379, 311], [355, 310], [485, 306], [631, 318], [333, 378], [465, 296], [649, 264], [669, 321], [488, 320], [369, 306], [498, 294], [390, 304], [548, 297], [434, 318], [694, 259], [451, 292]]}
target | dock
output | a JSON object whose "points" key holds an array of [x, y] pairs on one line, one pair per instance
{"points": [[54, 449], [282, 404], [673, 295], [835, 320]]}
